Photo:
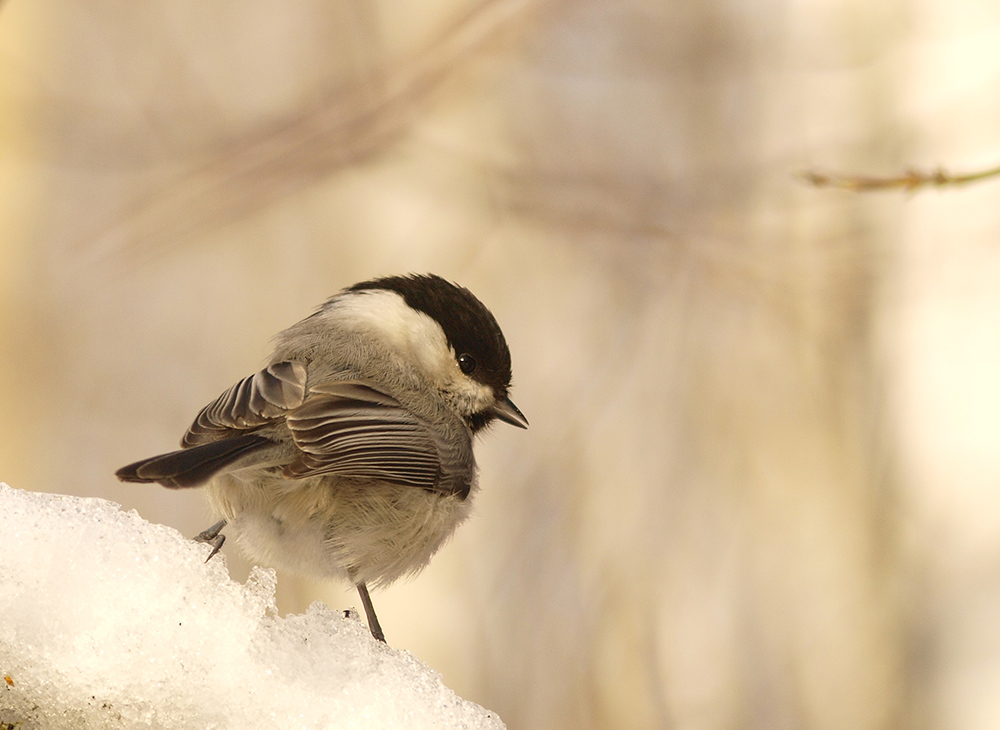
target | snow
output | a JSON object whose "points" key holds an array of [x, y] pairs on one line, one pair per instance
{"points": [[108, 621]]}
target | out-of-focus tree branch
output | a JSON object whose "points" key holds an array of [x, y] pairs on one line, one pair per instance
{"points": [[909, 180], [350, 124]]}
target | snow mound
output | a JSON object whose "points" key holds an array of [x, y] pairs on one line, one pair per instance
{"points": [[108, 621]]}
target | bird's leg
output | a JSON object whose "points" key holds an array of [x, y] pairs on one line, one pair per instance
{"points": [[214, 537], [373, 624]]}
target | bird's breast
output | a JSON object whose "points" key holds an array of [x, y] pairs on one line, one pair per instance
{"points": [[328, 526]]}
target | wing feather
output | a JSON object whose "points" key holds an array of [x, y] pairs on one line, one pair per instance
{"points": [[346, 428], [351, 429], [253, 402]]}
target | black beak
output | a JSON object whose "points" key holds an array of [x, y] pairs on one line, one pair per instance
{"points": [[506, 411]]}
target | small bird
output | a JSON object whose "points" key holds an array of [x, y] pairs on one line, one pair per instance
{"points": [[350, 455]]}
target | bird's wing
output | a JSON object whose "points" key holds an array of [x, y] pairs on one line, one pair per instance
{"points": [[346, 427], [351, 429], [255, 401]]}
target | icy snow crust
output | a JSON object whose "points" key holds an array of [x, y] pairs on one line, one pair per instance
{"points": [[108, 621]]}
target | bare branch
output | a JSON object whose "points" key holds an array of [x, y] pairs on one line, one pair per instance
{"points": [[910, 180], [352, 123]]}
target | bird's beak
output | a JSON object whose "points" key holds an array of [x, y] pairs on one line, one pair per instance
{"points": [[506, 411]]}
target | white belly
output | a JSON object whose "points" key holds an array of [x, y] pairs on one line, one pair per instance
{"points": [[326, 526]]}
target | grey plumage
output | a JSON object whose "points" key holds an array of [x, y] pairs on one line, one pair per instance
{"points": [[350, 454], [194, 466]]}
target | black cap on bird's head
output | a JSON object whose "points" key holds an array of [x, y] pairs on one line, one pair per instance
{"points": [[472, 333]]}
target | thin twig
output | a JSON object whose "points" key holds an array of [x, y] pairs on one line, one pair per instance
{"points": [[909, 181]]}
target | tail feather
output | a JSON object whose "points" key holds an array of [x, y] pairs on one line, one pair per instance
{"points": [[194, 466]]}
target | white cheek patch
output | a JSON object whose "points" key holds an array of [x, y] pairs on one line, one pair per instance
{"points": [[414, 334], [419, 338], [469, 396]]}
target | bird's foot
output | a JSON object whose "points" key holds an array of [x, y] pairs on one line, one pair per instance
{"points": [[214, 537]]}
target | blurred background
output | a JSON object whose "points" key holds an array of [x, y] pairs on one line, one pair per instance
{"points": [[761, 487]]}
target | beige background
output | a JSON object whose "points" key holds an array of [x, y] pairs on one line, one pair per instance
{"points": [[760, 488]]}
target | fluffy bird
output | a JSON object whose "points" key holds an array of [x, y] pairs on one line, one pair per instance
{"points": [[350, 455]]}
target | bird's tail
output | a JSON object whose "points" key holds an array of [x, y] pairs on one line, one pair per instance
{"points": [[194, 466]]}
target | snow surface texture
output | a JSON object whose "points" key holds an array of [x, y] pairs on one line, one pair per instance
{"points": [[108, 621]]}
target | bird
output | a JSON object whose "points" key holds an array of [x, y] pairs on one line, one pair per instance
{"points": [[350, 454]]}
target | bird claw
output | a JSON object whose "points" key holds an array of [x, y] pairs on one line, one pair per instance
{"points": [[214, 537]]}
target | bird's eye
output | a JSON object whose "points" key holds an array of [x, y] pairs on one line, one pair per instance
{"points": [[467, 363]]}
